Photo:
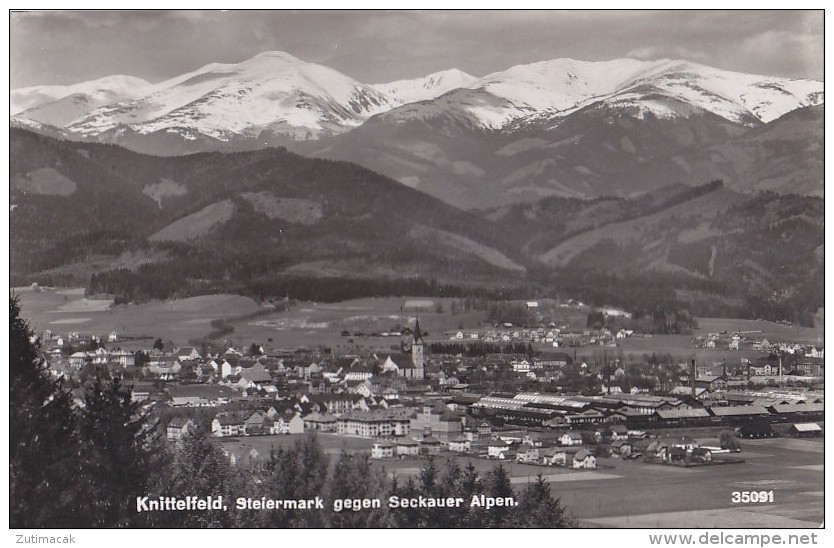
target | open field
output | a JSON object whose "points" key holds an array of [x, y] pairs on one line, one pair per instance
{"points": [[680, 346], [176, 320], [701, 497], [633, 494], [761, 328], [310, 325]]}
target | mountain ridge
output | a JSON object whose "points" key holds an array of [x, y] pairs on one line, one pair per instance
{"points": [[556, 86], [427, 87], [266, 222], [557, 127]]}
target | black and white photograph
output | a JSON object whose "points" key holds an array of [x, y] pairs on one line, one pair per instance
{"points": [[417, 269]]}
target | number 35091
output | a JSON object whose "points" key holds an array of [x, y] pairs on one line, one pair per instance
{"points": [[751, 497]]}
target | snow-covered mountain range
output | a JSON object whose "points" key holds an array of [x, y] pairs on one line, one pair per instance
{"points": [[278, 93], [664, 88], [559, 127], [272, 91]]}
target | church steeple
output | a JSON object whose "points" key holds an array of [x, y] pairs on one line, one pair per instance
{"points": [[418, 334], [417, 357]]}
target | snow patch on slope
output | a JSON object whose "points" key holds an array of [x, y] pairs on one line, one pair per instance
{"points": [[102, 91], [427, 87]]}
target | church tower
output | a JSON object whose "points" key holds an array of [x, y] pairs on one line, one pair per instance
{"points": [[417, 358]]}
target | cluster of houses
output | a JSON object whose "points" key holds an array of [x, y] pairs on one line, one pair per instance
{"points": [[680, 451], [740, 341], [232, 367], [551, 336], [502, 446]]}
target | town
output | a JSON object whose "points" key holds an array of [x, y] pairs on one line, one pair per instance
{"points": [[502, 392]]}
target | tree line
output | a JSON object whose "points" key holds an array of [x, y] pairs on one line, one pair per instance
{"points": [[481, 349]]}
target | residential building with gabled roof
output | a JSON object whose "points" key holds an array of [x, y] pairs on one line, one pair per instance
{"points": [[571, 438], [257, 374], [407, 447], [228, 424], [288, 422], [321, 422], [584, 459], [187, 353], [178, 427]]}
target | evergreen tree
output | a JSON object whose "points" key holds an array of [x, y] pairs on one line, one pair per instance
{"points": [[498, 486], [538, 509], [299, 472], [452, 485], [353, 478], [432, 484], [313, 465], [44, 453], [471, 485], [200, 468], [120, 443], [408, 518], [280, 473]]}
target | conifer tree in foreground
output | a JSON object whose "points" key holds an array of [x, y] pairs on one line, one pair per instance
{"points": [[200, 468], [73, 467], [44, 452], [353, 478], [538, 509], [121, 447]]}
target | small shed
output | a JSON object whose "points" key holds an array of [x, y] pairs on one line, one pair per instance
{"points": [[805, 430]]}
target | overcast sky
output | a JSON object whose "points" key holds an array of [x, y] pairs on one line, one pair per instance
{"points": [[381, 46]]}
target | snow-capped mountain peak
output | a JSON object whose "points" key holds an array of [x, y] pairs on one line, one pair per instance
{"points": [[427, 87], [665, 88], [271, 91]]}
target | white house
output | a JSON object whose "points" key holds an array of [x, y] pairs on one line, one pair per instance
{"points": [[816, 352], [584, 459], [460, 444], [287, 423], [497, 449], [571, 438], [382, 449], [408, 447], [177, 427], [521, 366]]}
